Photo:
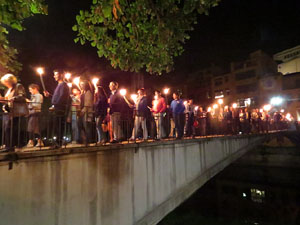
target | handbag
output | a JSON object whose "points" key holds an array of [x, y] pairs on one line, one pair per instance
{"points": [[20, 107]]}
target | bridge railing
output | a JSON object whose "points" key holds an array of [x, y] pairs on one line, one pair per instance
{"points": [[55, 129]]}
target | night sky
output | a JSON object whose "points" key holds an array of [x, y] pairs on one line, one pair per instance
{"points": [[230, 32]]}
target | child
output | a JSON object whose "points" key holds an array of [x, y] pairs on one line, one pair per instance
{"points": [[75, 108], [35, 106]]}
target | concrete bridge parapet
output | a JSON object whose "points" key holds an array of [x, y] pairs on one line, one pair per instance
{"points": [[113, 185]]}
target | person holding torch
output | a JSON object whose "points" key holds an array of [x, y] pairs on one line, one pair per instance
{"points": [[140, 113], [60, 104], [116, 103], [178, 109], [159, 109]]}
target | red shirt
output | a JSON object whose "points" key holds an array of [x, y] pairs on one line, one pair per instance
{"points": [[159, 106]]}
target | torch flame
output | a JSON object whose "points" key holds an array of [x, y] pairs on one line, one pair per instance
{"points": [[40, 70]]}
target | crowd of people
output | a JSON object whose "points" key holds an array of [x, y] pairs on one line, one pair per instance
{"points": [[88, 115]]}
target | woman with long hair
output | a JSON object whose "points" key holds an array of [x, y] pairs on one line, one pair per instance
{"points": [[86, 110], [15, 109], [100, 106]]}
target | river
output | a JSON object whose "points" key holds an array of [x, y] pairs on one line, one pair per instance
{"points": [[261, 188]]}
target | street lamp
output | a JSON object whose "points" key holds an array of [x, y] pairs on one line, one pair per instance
{"points": [[276, 100]]}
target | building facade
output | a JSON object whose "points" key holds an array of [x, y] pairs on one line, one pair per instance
{"points": [[288, 60], [249, 83]]}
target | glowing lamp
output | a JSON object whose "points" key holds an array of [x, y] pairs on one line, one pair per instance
{"points": [[267, 107], [68, 76], [70, 85], [40, 70], [208, 109], [76, 81], [288, 117], [185, 102], [215, 106], [234, 105], [166, 91], [261, 110], [220, 101], [95, 81], [276, 100], [282, 110], [134, 97], [196, 108], [123, 92]]}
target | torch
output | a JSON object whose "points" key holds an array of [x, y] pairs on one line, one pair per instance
{"points": [[40, 71], [166, 92], [68, 76], [123, 92], [95, 82], [76, 81], [134, 97]]}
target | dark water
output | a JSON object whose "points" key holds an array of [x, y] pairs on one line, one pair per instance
{"points": [[262, 188]]}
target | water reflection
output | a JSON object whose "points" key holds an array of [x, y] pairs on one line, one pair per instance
{"points": [[262, 188]]}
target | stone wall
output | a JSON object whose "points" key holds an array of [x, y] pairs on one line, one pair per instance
{"points": [[114, 185]]}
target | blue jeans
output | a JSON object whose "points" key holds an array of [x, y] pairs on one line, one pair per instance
{"points": [[75, 130], [100, 133]]}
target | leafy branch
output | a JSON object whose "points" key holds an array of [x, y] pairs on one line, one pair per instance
{"points": [[137, 34], [12, 15]]}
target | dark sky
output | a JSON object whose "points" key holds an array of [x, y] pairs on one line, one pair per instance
{"points": [[230, 32]]}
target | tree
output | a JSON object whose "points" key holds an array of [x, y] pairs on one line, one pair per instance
{"points": [[136, 34], [12, 15]]}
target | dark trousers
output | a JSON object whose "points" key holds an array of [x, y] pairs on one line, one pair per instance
{"points": [[59, 125], [202, 124], [179, 120], [190, 125], [14, 133], [85, 130]]}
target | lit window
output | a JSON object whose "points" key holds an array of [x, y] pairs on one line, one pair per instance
{"points": [[257, 195]]}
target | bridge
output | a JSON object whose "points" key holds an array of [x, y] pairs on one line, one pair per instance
{"points": [[136, 183]]}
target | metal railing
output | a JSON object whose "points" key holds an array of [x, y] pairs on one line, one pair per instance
{"points": [[57, 129]]}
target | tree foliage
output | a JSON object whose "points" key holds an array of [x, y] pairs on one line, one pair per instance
{"points": [[136, 34], [12, 15]]}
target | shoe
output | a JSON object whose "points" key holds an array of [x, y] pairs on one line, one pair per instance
{"points": [[100, 143], [40, 143], [30, 144], [55, 146], [114, 142], [8, 149]]}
